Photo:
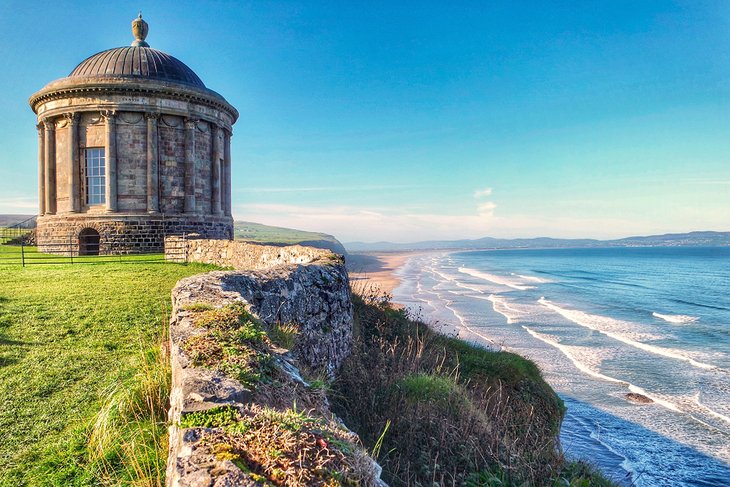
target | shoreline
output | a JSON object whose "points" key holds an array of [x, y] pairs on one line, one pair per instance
{"points": [[375, 272]]}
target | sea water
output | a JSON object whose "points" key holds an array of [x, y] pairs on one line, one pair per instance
{"points": [[602, 323]]}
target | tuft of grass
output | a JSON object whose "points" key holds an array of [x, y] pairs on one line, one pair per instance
{"points": [[284, 334], [428, 388], [78, 342], [127, 440]]}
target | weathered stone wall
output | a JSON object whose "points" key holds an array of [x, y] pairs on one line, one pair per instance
{"points": [[300, 286], [125, 233], [241, 255], [172, 163], [131, 162]]}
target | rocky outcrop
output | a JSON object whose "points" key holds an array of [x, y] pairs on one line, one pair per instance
{"points": [[232, 367], [313, 299]]}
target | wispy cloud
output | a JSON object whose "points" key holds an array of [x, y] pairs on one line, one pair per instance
{"points": [[483, 193], [16, 203]]}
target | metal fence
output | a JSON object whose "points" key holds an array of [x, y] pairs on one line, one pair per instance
{"points": [[14, 250]]}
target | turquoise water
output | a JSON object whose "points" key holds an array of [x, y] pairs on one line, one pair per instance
{"points": [[602, 323]]}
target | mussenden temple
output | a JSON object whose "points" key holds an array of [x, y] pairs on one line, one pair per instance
{"points": [[132, 147]]}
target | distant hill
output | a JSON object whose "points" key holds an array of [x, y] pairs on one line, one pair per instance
{"points": [[256, 232], [10, 220], [692, 239]]}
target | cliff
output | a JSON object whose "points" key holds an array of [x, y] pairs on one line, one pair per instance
{"points": [[256, 350]]}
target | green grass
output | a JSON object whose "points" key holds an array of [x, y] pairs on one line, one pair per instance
{"points": [[257, 232], [79, 348]]}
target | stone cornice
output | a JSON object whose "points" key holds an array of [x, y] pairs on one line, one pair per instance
{"points": [[74, 87]]}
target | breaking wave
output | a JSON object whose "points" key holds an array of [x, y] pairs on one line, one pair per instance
{"points": [[597, 323], [678, 319], [504, 281]]}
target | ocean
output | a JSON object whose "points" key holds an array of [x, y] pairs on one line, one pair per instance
{"points": [[603, 323]]}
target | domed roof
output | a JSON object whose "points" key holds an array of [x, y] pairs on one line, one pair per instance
{"points": [[137, 61]]}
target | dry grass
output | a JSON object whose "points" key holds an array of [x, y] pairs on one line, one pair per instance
{"points": [[451, 409], [127, 440], [286, 447]]}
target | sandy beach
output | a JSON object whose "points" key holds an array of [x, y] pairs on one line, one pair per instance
{"points": [[376, 271]]}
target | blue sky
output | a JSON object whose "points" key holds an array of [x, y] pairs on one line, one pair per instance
{"points": [[405, 120]]}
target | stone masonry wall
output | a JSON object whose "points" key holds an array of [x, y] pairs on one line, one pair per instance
{"points": [[299, 286], [125, 233]]}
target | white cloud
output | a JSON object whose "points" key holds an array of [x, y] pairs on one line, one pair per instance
{"points": [[482, 193]]}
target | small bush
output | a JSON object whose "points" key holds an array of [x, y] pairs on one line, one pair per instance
{"points": [[211, 418]]}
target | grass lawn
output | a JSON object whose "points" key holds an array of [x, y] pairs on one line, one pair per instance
{"points": [[79, 361]]}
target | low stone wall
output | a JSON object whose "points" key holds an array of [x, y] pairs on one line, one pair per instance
{"points": [[125, 233], [304, 288], [242, 255]]}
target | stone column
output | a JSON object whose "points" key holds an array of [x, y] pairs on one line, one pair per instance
{"points": [[50, 169], [110, 153], [73, 162], [216, 207], [189, 205], [227, 207], [41, 171], [153, 160]]}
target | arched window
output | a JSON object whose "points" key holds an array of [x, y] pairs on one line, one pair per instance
{"points": [[89, 242]]}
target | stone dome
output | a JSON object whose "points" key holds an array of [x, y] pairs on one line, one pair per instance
{"points": [[137, 62]]}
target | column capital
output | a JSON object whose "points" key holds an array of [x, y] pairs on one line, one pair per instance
{"points": [[152, 115], [228, 131], [109, 115], [49, 124], [72, 117], [39, 126], [191, 123]]}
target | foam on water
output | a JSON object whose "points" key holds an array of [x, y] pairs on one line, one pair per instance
{"points": [[598, 323], [578, 364], [494, 278], [710, 411], [678, 319], [533, 278], [587, 370]]}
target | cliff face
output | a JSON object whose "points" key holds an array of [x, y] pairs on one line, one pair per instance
{"points": [[241, 413]]}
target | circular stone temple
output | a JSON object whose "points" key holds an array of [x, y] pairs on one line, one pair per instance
{"points": [[132, 147]]}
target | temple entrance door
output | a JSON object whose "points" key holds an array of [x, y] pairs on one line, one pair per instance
{"points": [[89, 242]]}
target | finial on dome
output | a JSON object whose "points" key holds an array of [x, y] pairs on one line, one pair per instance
{"points": [[139, 30]]}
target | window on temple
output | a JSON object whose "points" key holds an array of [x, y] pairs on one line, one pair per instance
{"points": [[94, 176]]}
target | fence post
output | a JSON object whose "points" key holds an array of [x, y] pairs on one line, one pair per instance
{"points": [[185, 247], [22, 253]]}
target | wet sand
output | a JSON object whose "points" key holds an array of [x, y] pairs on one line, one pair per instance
{"points": [[375, 272]]}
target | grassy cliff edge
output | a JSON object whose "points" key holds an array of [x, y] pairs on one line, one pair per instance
{"points": [[439, 411]]}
